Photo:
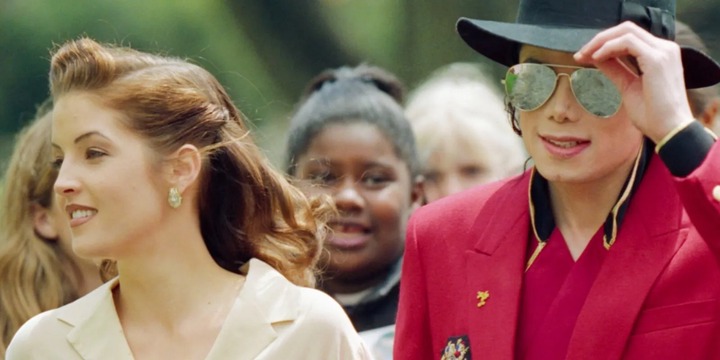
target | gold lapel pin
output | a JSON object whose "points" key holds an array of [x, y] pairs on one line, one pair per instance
{"points": [[482, 297]]}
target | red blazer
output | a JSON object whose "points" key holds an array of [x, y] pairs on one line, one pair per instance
{"points": [[655, 297]]}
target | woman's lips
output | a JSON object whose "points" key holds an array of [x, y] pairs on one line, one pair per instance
{"points": [[348, 235], [345, 242], [79, 214]]}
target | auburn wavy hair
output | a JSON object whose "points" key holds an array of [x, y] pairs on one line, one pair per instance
{"points": [[35, 273], [247, 208]]}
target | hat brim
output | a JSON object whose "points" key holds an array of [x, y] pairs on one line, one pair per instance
{"points": [[501, 43]]}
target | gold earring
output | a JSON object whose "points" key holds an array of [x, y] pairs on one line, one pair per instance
{"points": [[174, 198]]}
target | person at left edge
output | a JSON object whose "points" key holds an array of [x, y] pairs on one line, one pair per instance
{"points": [[38, 269]]}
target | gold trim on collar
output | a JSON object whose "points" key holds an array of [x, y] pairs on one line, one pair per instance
{"points": [[532, 206], [541, 244], [625, 195], [611, 224], [538, 249]]}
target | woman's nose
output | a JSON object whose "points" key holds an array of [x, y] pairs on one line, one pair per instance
{"points": [[66, 183], [347, 197]]}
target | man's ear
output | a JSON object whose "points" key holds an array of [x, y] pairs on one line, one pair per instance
{"points": [[709, 116], [184, 167], [43, 223], [417, 193]]}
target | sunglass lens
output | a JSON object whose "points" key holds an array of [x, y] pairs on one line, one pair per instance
{"points": [[595, 92], [529, 86]]}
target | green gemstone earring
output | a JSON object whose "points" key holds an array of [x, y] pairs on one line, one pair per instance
{"points": [[174, 198]]}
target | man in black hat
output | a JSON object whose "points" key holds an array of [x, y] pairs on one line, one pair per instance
{"points": [[608, 247]]}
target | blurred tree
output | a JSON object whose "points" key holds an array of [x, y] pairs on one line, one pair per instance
{"points": [[263, 51], [703, 16], [292, 38], [411, 38], [203, 31]]}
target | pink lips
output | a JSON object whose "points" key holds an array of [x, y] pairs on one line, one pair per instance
{"points": [[564, 146], [348, 235]]}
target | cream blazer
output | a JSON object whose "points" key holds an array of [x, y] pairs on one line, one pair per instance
{"points": [[271, 319]]}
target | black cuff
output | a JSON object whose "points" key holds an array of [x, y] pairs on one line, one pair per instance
{"points": [[685, 151]]}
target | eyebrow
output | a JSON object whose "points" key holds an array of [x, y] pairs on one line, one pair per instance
{"points": [[319, 161], [376, 163], [84, 137], [367, 165]]}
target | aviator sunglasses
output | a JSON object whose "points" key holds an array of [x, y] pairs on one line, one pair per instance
{"points": [[529, 86]]}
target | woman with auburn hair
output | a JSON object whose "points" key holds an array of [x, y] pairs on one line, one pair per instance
{"points": [[214, 250], [38, 270]]}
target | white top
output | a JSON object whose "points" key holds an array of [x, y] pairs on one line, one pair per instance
{"points": [[380, 341], [271, 319]]}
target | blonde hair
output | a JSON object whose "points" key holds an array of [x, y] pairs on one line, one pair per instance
{"points": [[35, 273], [458, 107], [247, 208]]}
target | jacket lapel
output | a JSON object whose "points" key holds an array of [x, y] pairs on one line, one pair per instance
{"points": [[246, 328], [651, 234], [96, 333], [495, 269], [265, 299]]}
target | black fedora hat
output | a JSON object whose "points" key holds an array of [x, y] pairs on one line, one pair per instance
{"points": [[567, 25]]}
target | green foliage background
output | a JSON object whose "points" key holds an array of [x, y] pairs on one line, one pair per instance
{"points": [[263, 51]]}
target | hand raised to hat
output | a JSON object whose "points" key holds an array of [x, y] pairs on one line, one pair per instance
{"points": [[655, 100]]}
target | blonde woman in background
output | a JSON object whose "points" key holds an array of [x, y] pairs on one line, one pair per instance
{"points": [[463, 139], [38, 269]]}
